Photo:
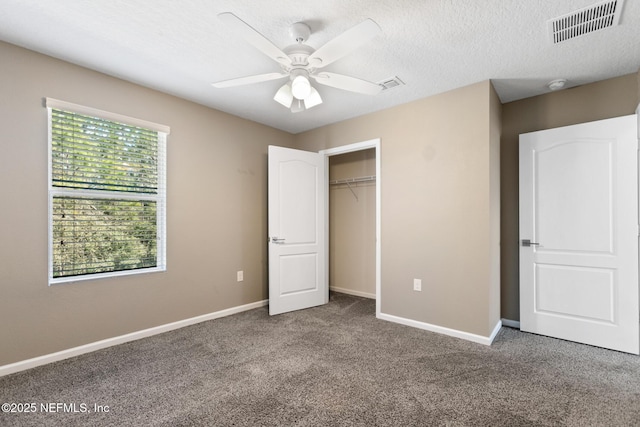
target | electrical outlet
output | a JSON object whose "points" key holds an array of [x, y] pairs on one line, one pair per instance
{"points": [[240, 276], [417, 285]]}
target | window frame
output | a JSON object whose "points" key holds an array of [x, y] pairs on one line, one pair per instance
{"points": [[160, 198]]}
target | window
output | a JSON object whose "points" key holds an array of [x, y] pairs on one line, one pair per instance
{"points": [[107, 198]]}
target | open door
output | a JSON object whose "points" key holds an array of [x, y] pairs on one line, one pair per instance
{"points": [[297, 254], [579, 233]]}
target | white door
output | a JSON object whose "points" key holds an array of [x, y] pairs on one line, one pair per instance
{"points": [[579, 233], [297, 255]]}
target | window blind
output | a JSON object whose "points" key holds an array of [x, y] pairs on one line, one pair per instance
{"points": [[94, 153], [107, 196]]}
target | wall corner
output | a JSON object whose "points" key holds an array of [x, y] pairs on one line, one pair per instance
{"points": [[495, 132]]}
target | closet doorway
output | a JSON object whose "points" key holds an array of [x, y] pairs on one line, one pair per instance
{"points": [[353, 219]]}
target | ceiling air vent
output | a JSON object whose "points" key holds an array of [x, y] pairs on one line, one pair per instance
{"points": [[584, 21], [391, 83]]}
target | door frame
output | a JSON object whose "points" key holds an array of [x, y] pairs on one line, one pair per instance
{"points": [[358, 146]]}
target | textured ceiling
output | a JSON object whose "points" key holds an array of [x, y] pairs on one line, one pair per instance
{"points": [[180, 47]]}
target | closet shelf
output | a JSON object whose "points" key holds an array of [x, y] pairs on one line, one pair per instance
{"points": [[350, 181]]}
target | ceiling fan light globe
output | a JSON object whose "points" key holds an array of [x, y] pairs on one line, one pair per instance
{"points": [[313, 99], [284, 95], [300, 87]]}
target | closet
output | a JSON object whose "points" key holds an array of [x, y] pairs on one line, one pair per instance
{"points": [[352, 223]]}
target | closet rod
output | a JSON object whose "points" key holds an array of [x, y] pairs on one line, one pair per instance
{"points": [[353, 180]]}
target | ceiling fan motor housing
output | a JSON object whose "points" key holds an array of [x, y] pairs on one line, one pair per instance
{"points": [[299, 55]]}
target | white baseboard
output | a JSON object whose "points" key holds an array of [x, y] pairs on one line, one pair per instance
{"points": [[98, 345], [511, 323], [495, 331], [352, 292], [480, 339]]}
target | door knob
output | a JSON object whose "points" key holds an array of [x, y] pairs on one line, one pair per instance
{"points": [[276, 240], [527, 243]]}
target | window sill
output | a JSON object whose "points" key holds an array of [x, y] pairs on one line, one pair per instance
{"points": [[85, 277]]}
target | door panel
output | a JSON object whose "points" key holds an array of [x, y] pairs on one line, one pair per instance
{"points": [[578, 292], [579, 208], [297, 273], [298, 201], [574, 177]]}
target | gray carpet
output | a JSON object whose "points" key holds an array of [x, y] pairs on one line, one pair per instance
{"points": [[335, 365]]}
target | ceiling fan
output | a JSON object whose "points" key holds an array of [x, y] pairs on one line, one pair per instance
{"points": [[300, 62]]}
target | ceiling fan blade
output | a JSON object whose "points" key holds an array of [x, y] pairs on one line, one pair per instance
{"points": [[252, 36], [340, 81], [258, 78], [345, 43]]}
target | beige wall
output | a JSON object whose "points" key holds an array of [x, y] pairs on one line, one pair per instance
{"points": [[439, 218], [352, 224], [436, 180], [602, 100], [216, 212]]}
